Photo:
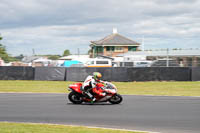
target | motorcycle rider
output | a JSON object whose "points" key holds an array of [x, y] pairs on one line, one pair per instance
{"points": [[90, 83]]}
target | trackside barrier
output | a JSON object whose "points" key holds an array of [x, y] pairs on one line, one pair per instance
{"points": [[50, 73], [16, 73], [78, 73], [109, 74], [120, 74], [195, 73], [123, 74], [160, 74]]}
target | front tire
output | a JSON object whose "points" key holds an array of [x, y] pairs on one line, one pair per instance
{"points": [[116, 99], [75, 98]]}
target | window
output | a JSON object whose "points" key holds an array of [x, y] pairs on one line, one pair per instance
{"points": [[118, 48], [102, 62], [99, 49], [110, 48], [132, 48], [128, 64], [90, 63]]}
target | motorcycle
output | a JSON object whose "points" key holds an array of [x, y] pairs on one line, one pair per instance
{"points": [[77, 95]]}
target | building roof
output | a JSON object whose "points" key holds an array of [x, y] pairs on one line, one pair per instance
{"points": [[104, 57], [115, 39], [81, 58], [72, 57], [29, 59], [193, 52]]}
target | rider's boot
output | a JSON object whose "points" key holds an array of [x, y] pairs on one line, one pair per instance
{"points": [[93, 100], [89, 95]]}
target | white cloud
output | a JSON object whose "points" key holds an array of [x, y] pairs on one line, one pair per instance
{"points": [[52, 26]]}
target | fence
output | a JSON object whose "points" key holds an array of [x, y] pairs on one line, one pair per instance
{"points": [[121, 74], [16, 73]]}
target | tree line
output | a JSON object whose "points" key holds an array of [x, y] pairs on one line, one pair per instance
{"points": [[3, 53], [8, 58]]}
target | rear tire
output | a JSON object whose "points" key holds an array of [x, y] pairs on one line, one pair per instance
{"points": [[75, 98], [116, 99]]}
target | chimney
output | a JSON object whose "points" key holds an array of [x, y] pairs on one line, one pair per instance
{"points": [[114, 30]]}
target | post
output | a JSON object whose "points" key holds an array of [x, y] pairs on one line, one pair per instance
{"points": [[123, 65], [78, 52], [33, 51], [143, 43], [167, 57]]}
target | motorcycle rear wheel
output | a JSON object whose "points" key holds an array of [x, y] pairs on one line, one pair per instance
{"points": [[75, 98], [116, 99]]}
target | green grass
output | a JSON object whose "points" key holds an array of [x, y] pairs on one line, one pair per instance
{"points": [[46, 128], [129, 88], [34, 86], [160, 88]]}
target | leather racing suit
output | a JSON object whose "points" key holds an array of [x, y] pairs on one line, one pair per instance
{"points": [[89, 84]]}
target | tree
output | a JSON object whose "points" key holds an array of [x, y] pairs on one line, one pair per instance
{"points": [[66, 52], [3, 54], [20, 57], [54, 57], [89, 51], [175, 49]]}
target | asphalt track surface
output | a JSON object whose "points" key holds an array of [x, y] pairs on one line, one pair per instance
{"points": [[148, 113]]}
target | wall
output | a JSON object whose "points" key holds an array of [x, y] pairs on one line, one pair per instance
{"points": [[16, 73], [132, 74], [120, 74], [50, 73], [195, 73], [160, 74]]}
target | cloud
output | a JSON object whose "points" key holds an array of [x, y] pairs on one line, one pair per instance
{"points": [[52, 26]]}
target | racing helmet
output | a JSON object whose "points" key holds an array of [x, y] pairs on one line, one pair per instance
{"points": [[97, 75]]}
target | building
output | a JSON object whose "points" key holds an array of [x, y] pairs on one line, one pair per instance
{"points": [[185, 58], [36, 61], [113, 45], [81, 58]]}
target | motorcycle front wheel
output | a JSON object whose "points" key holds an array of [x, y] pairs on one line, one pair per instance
{"points": [[116, 99], [75, 98]]}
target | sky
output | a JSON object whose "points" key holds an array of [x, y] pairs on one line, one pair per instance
{"points": [[51, 26]]}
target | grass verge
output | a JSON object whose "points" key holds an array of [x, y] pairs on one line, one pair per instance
{"points": [[6, 127], [126, 88]]}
